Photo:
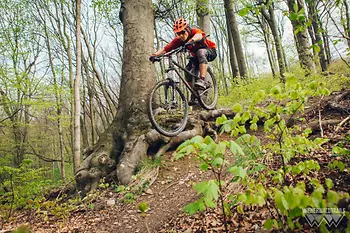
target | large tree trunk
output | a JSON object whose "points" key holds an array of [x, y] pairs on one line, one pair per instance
{"points": [[269, 49], [203, 15], [317, 34], [306, 61], [236, 37], [123, 145], [347, 22], [271, 19], [231, 46], [77, 91]]}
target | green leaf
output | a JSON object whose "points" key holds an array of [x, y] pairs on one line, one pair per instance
{"points": [[235, 148], [220, 148], [210, 203], [184, 151], [201, 187], [280, 201], [237, 118], [254, 126], [259, 200], [197, 139], [246, 116], [333, 197], [258, 96], [293, 16], [312, 85], [268, 224], [276, 90], [208, 140], [213, 190], [243, 12], [242, 198], [238, 171], [237, 108], [329, 183], [204, 166], [291, 79], [143, 207], [208, 188], [240, 209], [290, 223], [218, 162], [192, 208], [220, 120]]}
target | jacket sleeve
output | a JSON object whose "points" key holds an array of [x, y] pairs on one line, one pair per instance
{"points": [[175, 43]]}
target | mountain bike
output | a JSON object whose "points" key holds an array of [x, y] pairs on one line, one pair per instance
{"points": [[168, 106]]}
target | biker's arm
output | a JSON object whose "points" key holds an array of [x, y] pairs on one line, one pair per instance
{"points": [[159, 52], [196, 38]]}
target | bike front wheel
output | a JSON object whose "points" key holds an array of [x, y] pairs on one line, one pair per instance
{"points": [[168, 108], [209, 96]]}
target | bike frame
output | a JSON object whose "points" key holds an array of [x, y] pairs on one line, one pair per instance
{"points": [[171, 67]]}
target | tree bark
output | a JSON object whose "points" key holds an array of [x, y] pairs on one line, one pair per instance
{"points": [[236, 37], [123, 146], [231, 46], [316, 22], [306, 61], [77, 91], [203, 15], [347, 24], [271, 19], [269, 49]]}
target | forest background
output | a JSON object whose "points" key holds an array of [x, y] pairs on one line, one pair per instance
{"points": [[41, 69]]}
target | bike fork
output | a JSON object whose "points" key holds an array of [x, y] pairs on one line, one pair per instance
{"points": [[172, 102]]}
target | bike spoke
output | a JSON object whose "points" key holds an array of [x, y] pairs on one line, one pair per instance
{"points": [[168, 109]]}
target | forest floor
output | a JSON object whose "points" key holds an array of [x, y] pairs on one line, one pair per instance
{"points": [[172, 189]]}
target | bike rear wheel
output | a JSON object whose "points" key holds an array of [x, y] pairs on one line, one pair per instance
{"points": [[209, 96], [168, 108]]}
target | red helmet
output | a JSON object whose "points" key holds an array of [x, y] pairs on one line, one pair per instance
{"points": [[180, 25]]}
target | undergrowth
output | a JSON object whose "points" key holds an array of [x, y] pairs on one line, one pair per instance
{"points": [[266, 172], [242, 90]]}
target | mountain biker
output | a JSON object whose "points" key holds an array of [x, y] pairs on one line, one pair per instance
{"points": [[202, 50]]}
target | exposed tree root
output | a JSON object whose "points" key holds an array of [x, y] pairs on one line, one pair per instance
{"points": [[120, 167]]}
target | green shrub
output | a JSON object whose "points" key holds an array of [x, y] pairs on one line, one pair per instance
{"points": [[19, 185]]}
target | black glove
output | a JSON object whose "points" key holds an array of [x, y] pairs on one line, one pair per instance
{"points": [[152, 58], [188, 44]]}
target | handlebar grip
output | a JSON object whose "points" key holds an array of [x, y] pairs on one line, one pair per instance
{"points": [[154, 59]]}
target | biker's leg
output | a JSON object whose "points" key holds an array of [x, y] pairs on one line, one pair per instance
{"points": [[204, 56], [203, 65], [203, 70]]}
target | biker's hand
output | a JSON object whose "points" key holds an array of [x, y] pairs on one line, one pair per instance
{"points": [[152, 58], [188, 44]]}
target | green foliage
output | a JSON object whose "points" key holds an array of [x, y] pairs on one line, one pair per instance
{"points": [[143, 207], [19, 185], [243, 89], [336, 164], [284, 143]]}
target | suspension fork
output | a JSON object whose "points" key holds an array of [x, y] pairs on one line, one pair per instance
{"points": [[171, 77]]}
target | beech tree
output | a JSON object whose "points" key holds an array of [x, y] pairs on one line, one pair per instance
{"points": [[297, 17], [233, 27], [269, 15], [123, 145], [77, 105]]}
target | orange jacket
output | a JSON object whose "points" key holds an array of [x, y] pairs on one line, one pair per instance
{"points": [[177, 42]]}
